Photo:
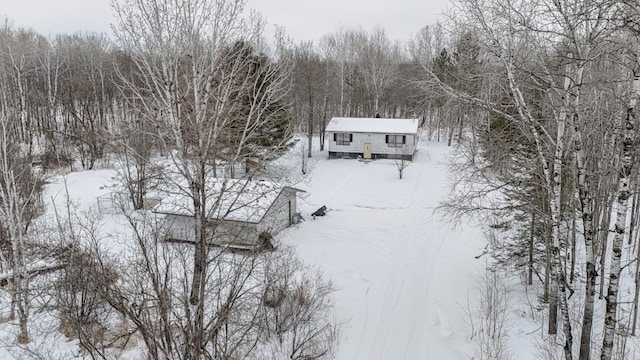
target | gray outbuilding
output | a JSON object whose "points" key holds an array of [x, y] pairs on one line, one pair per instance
{"points": [[239, 212]]}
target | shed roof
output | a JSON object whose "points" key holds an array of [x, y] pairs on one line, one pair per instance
{"points": [[231, 200], [373, 125]]}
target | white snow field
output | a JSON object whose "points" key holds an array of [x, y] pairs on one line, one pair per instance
{"points": [[403, 278]]}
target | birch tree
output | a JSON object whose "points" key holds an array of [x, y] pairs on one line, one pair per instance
{"points": [[212, 98], [585, 47], [88, 94], [379, 58], [20, 203], [495, 23], [19, 57], [625, 184], [53, 67], [551, 54], [308, 82]]}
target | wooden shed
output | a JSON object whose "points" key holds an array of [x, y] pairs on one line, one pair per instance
{"points": [[238, 212], [372, 138]]}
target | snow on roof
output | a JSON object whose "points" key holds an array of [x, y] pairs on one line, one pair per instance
{"points": [[373, 125], [229, 199]]}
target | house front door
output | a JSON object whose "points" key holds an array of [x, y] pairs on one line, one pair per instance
{"points": [[367, 150]]}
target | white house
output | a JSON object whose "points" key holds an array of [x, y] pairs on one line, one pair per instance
{"points": [[372, 138], [238, 212]]}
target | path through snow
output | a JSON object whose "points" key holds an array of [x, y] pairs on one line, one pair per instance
{"points": [[402, 276]]}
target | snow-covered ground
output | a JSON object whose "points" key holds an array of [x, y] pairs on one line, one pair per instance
{"points": [[403, 278], [406, 282]]}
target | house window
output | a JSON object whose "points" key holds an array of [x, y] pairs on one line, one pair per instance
{"points": [[396, 141], [342, 138]]}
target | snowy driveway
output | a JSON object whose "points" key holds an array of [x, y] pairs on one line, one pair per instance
{"points": [[402, 277]]}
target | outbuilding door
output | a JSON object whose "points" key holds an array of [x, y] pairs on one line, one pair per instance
{"points": [[367, 150]]}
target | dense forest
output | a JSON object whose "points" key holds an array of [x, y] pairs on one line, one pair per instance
{"points": [[553, 87], [68, 89], [540, 99]]}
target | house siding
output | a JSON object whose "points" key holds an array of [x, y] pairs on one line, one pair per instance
{"points": [[278, 216], [223, 232], [179, 227], [230, 232], [379, 147]]}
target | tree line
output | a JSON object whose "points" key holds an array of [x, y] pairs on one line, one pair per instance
{"points": [[65, 90], [551, 150], [540, 98], [171, 101]]}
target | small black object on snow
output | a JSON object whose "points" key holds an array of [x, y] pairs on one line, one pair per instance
{"points": [[320, 212]]}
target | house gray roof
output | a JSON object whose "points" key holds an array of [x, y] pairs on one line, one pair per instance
{"points": [[373, 125], [229, 199]]}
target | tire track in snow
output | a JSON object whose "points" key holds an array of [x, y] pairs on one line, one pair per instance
{"points": [[388, 252], [395, 291], [414, 322], [367, 239], [361, 238], [420, 293], [414, 295], [422, 194], [342, 182], [404, 295], [374, 330]]}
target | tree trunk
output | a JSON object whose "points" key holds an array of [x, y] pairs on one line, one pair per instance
{"points": [[573, 250], [460, 127], [552, 185], [586, 207], [200, 259], [438, 124], [587, 211], [555, 198], [637, 283], [452, 128], [531, 240], [604, 241], [325, 106], [547, 266], [20, 279], [566, 320], [634, 218], [624, 186], [310, 122]]}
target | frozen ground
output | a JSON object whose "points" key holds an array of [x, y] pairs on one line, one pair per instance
{"points": [[405, 281], [403, 277]]}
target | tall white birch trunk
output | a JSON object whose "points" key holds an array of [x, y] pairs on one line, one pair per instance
{"points": [[586, 209], [624, 187], [555, 199], [586, 212], [558, 272], [13, 209], [553, 183]]}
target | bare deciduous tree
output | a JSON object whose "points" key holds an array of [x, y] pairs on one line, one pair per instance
{"points": [[213, 99], [20, 202], [257, 304]]}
